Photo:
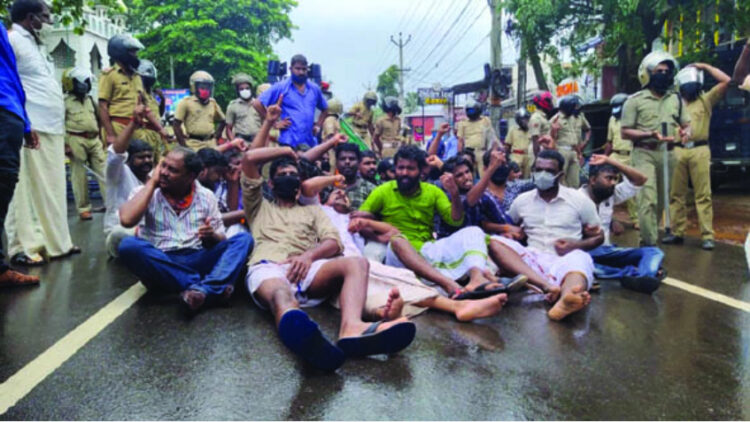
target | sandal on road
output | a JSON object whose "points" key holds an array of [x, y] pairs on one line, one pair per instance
{"points": [[26, 261], [482, 291], [372, 342]]}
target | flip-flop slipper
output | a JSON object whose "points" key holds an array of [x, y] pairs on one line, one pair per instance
{"points": [[481, 292], [386, 342], [303, 337], [26, 261], [516, 283]]}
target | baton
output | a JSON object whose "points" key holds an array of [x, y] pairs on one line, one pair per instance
{"points": [[101, 178], [667, 220]]}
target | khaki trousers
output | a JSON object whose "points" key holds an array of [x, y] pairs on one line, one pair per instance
{"points": [[630, 203], [650, 199], [572, 168], [692, 165], [524, 162], [37, 222], [91, 153]]}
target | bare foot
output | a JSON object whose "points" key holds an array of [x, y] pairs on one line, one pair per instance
{"points": [[553, 293], [479, 277], [394, 306], [571, 302], [467, 310], [356, 329]]}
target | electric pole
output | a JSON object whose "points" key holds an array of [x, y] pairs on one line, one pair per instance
{"points": [[400, 44], [496, 56]]}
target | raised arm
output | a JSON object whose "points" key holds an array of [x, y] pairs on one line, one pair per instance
{"points": [[722, 78], [636, 177], [271, 115], [457, 206], [435, 145], [742, 68], [319, 150], [314, 185], [132, 211], [497, 158], [122, 141]]}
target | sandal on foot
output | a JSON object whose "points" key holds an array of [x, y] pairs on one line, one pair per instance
{"points": [[303, 337], [26, 261], [391, 340], [480, 292]]}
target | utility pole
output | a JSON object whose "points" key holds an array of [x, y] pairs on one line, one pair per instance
{"points": [[521, 87], [171, 72], [496, 56], [400, 44]]}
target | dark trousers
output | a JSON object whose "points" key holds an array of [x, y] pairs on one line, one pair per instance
{"points": [[11, 139], [207, 270]]}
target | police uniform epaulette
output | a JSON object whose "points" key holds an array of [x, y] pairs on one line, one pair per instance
{"points": [[107, 70], [635, 94]]}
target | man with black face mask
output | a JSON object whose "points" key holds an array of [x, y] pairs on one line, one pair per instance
{"points": [[295, 263], [645, 114], [637, 268], [120, 86], [82, 137], [694, 156]]}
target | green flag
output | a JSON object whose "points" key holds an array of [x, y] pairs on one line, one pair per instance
{"points": [[353, 137]]}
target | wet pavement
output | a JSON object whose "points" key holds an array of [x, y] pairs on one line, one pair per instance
{"points": [[672, 355]]}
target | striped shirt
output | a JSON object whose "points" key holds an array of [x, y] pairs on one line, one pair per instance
{"points": [[168, 231]]}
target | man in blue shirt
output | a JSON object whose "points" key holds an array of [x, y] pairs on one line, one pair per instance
{"points": [[443, 148], [300, 98], [14, 128]]}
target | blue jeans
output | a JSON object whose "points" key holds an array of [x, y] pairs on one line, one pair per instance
{"points": [[614, 262], [205, 270]]}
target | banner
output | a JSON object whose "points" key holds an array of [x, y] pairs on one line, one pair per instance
{"points": [[353, 137], [172, 97]]}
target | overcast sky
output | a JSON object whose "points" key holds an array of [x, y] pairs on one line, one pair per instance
{"points": [[351, 41]]}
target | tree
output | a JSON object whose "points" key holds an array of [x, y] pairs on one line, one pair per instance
{"points": [[388, 82], [222, 37], [67, 12], [412, 102]]}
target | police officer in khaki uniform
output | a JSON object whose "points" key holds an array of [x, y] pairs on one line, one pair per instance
{"points": [[643, 116], [361, 115], [567, 126], [693, 158], [82, 137], [199, 112], [243, 121], [331, 125], [476, 132], [518, 141], [119, 86], [387, 138], [539, 126], [151, 130], [620, 149]]}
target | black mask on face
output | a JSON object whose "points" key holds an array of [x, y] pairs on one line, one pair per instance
{"points": [[148, 82], [406, 184], [690, 91], [286, 187], [131, 61], [660, 82], [81, 89], [500, 176], [602, 194]]}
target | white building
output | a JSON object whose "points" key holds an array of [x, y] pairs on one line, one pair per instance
{"points": [[89, 50]]}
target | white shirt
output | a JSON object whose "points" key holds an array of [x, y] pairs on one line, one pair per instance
{"points": [[120, 182], [623, 191], [353, 243], [561, 218], [45, 104]]}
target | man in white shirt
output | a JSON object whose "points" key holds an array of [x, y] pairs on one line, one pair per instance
{"points": [[129, 162], [37, 223], [637, 268], [561, 223]]}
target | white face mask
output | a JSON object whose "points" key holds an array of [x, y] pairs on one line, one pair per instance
{"points": [[543, 180], [245, 94]]}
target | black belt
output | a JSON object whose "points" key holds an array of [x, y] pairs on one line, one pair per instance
{"points": [[653, 146], [201, 137], [690, 145], [621, 151]]}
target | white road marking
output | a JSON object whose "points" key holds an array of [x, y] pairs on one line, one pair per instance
{"points": [[22, 382], [708, 294]]}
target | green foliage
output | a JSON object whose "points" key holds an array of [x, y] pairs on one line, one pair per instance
{"points": [[222, 37], [67, 12], [412, 102], [388, 82]]}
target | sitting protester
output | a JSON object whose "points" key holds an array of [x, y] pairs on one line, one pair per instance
{"points": [[296, 264], [180, 245], [386, 172], [348, 158], [637, 268], [561, 224], [368, 167]]}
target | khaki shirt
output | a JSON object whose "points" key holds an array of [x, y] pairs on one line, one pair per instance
{"points": [[614, 135], [331, 126], [477, 134], [80, 116], [388, 129], [242, 116], [280, 232], [538, 124], [366, 113], [198, 118], [570, 129], [518, 139], [646, 112], [700, 113], [120, 91]]}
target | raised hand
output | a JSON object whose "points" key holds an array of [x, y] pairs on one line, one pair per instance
{"points": [[273, 112], [497, 158], [449, 184], [444, 128], [598, 159]]}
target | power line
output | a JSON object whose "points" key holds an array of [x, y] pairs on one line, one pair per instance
{"points": [[463, 60], [385, 49], [435, 30], [455, 21], [452, 47]]}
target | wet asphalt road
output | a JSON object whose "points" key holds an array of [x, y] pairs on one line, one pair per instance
{"points": [[673, 355]]}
